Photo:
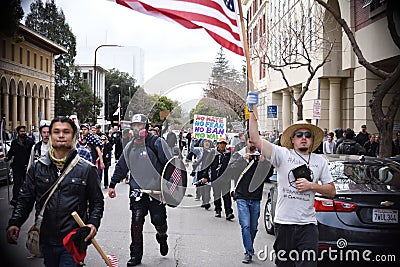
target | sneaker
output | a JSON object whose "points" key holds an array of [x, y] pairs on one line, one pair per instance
{"points": [[134, 261], [207, 206], [247, 259], [230, 216], [218, 214]]}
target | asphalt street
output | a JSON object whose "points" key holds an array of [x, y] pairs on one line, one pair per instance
{"points": [[196, 237]]}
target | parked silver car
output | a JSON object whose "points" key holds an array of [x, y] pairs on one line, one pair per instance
{"points": [[5, 169], [364, 213]]}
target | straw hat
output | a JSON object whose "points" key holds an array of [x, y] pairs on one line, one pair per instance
{"points": [[287, 134]]}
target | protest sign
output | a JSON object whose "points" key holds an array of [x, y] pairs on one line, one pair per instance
{"points": [[209, 127]]}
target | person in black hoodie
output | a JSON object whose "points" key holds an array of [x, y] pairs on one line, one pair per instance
{"points": [[248, 192], [20, 151]]}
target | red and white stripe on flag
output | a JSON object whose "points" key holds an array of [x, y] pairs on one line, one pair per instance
{"points": [[113, 260], [176, 176], [1, 151], [217, 17]]}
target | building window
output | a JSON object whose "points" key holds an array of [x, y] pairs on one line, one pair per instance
{"points": [[34, 60], [21, 55], [3, 49], [47, 65], [12, 52], [41, 62], [375, 6], [28, 58]]}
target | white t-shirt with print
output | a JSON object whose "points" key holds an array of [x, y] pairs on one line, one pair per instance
{"points": [[292, 206]]}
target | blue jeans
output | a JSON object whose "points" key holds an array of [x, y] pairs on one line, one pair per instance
{"points": [[248, 213], [57, 256]]}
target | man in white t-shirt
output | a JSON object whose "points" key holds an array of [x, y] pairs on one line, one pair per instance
{"points": [[295, 220]]}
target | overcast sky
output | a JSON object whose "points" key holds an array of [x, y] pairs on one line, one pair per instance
{"points": [[163, 44]]}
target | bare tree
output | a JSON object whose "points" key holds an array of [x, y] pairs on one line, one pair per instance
{"points": [[293, 42], [383, 121], [227, 85]]}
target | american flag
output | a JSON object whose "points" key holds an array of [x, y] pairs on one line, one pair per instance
{"points": [[119, 107], [217, 17], [113, 260], [176, 176], [1, 150]]}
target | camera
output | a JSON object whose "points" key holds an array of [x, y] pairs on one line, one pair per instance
{"points": [[256, 156], [302, 171]]}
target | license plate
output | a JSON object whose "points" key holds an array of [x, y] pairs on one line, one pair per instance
{"points": [[385, 216]]}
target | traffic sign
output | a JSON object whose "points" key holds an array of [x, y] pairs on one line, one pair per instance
{"points": [[272, 112], [317, 107]]}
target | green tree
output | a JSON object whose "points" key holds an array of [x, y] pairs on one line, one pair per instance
{"points": [[49, 21], [118, 83], [11, 14], [162, 105], [78, 98]]}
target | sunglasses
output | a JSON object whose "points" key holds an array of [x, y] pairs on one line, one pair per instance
{"points": [[300, 134]]}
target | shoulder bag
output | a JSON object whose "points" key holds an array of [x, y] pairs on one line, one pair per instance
{"points": [[33, 241]]}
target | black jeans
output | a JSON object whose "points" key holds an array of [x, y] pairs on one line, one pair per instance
{"points": [[222, 191], [294, 240], [19, 179], [158, 217]]}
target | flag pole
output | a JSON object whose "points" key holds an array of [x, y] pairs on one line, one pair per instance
{"points": [[119, 109], [246, 53], [94, 242]]}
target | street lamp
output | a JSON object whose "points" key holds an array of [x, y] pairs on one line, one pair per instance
{"points": [[95, 77]]}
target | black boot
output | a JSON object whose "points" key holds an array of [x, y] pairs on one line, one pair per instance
{"points": [[162, 239], [134, 261]]}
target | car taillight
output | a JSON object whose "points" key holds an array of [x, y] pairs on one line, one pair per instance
{"points": [[323, 204]]}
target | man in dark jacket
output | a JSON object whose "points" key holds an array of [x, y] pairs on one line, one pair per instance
{"points": [[349, 146], [78, 191], [221, 185], [20, 151], [117, 140], [363, 136], [145, 157]]}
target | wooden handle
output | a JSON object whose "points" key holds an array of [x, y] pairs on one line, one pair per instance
{"points": [[94, 242]]}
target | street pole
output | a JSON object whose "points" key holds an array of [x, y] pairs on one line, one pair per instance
{"points": [[95, 78], [119, 111]]}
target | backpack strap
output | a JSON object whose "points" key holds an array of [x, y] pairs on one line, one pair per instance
{"points": [[38, 149]]}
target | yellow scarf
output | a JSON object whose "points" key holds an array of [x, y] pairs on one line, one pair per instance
{"points": [[58, 162]]}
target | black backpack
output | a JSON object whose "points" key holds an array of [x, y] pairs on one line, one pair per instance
{"points": [[349, 148]]}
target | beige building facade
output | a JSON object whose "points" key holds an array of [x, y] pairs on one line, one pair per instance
{"points": [[27, 78], [339, 93]]}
